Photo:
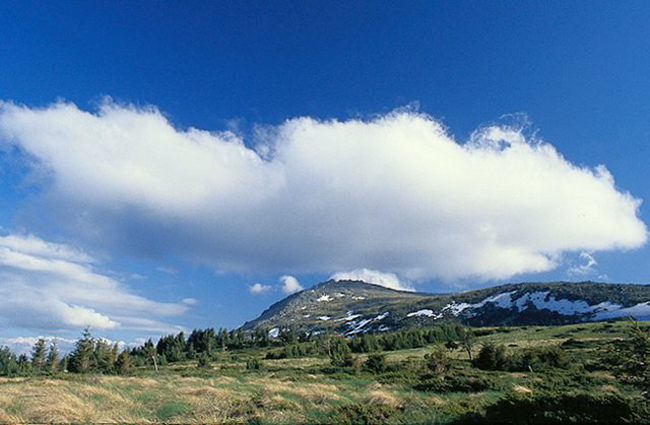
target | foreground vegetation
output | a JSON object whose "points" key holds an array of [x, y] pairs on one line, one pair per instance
{"points": [[595, 373]]}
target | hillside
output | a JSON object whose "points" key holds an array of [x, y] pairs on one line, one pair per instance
{"points": [[351, 307]]}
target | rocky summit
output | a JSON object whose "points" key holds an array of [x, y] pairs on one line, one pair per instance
{"points": [[353, 307]]}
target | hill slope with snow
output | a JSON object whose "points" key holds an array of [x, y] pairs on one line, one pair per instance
{"points": [[352, 307]]}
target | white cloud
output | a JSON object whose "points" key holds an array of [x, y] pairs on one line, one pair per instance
{"points": [[23, 345], [389, 280], [258, 288], [589, 266], [290, 284], [394, 193], [52, 286]]}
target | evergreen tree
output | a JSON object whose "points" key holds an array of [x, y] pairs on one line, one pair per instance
{"points": [[82, 356], [38, 355], [103, 356], [24, 365], [8, 362], [53, 358], [123, 363], [340, 354]]}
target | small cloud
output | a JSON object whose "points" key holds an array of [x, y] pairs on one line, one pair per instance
{"points": [[189, 301], [258, 288], [588, 268], [167, 270], [388, 280], [290, 285]]}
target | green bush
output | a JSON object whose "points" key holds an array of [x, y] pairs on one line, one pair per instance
{"points": [[360, 413], [465, 383], [568, 407], [253, 364], [438, 361], [376, 363], [204, 361], [492, 357], [540, 358]]}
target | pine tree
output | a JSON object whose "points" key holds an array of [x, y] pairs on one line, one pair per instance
{"points": [[53, 358], [8, 362], [82, 356], [38, 355], [102, 356], [24, 365], [123, 363]]}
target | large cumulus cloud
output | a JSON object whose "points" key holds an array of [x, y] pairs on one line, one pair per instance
{"points": [[394, 193]]}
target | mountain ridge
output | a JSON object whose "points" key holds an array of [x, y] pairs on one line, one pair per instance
{"points": [[350, 307]]}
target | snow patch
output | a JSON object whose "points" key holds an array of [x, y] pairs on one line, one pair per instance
{"points": [[324, 318], [640, 311], [349, 316], [358, 327], [273, 333], [382, 316], [424, 312], [324, 298]]}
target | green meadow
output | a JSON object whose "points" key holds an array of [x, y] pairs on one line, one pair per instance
{"points": [[592, 372]]}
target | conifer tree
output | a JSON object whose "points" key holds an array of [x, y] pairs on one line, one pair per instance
{"points": [[53, 358], [123, 363], [82, 356], [38, 355]]}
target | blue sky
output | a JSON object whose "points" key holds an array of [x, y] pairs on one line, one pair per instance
{"points": [[158, 159]]}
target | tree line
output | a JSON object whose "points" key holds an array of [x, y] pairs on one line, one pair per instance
{"points": [[96, 355]]}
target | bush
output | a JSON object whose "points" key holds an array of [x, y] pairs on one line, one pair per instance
{"points": [[360, 413], [438, 361], [492, 357], [204, 361], [376, 363], [465, 383], [253, 364], [574, 407], [540, 358]]}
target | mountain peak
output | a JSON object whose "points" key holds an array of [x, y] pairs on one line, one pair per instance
{"points": [[351, 306]]}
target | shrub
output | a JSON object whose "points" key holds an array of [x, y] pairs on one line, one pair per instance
{"points": [[361, 413], [492, 357], [540, 358], [253, 364], [438, 361], [465, 383], [376, 363], [204, 361], [574, 407]]}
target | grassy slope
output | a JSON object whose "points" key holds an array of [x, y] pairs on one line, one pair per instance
{"points": [[287, 391]]}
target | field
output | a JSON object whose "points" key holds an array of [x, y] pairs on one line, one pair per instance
{"points": [[402, 386]]}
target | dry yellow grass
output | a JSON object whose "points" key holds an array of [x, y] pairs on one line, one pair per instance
{"points": [[520, 389], [383, 398]]}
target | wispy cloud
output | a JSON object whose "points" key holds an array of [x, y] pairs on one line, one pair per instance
{"points": [[395, 193], [585, 269], [55, 287]]}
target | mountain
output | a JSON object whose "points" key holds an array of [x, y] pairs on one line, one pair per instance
{"points": [[351, 307]]}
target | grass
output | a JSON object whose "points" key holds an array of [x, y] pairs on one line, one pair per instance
{"points": [[300, 390]]}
